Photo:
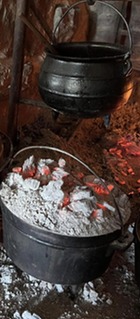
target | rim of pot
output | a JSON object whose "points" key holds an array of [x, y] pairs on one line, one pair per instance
{"points": [[97, 51]]}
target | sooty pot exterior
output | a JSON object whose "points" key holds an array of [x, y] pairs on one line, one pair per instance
{"points": [[86, 79], [52, 257]]}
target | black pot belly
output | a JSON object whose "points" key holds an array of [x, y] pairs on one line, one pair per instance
{"points": [[86, 85], [83, 107], [52, 257]]}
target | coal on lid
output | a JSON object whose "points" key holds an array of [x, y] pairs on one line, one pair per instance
{"points": [[49, 194]]}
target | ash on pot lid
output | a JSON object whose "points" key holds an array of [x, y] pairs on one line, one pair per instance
{"points": [[46, 193]]}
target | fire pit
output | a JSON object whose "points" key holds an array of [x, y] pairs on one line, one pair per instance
{"points": [[61, 224]]}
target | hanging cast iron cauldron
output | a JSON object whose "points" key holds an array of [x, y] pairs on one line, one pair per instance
{"points": [[87, 79], [54, 257]]}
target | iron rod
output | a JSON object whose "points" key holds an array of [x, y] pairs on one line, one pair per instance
{"points": [[17, 68]]}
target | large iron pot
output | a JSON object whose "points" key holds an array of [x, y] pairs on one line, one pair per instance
{"points": [[54, 257], [87, 79]]}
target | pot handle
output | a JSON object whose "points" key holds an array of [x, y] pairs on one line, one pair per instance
{"points": [[91, 2], [122, 243], [127, 67]]}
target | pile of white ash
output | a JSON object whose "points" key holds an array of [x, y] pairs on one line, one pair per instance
{"points": [[47, 193]]}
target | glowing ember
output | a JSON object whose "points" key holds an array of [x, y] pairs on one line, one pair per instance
{"points": [[100, 189], [129, 147], [124, 161], [48, 194]]}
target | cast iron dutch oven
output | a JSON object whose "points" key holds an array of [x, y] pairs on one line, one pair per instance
{"points": [[54, 257], [87, 79]]}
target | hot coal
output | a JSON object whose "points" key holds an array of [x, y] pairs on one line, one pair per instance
{"points": [[48, 194], [124, 160]]}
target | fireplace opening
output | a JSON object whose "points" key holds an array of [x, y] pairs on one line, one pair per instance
{"points": [[109, 145]]}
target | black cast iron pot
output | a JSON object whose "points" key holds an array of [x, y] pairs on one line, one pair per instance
{"points": [[54, 257], [87, 79]]}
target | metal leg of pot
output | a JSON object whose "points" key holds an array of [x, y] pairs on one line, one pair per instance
{"points": [[74, 290], [17, 68], [107, 120]]}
